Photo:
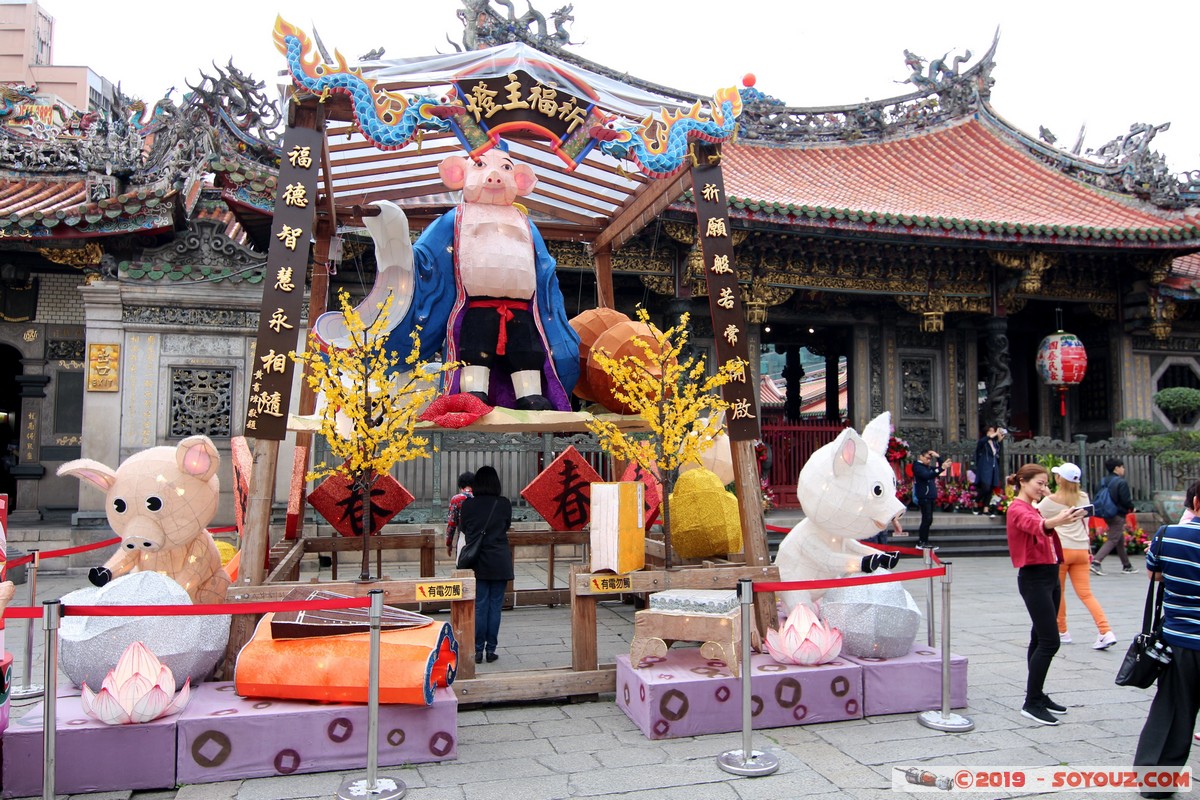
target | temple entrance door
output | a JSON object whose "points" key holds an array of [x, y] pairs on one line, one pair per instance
{"points": [[10, 419]]}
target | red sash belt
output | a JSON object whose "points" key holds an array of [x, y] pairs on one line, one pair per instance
{"points": [[504, 308]]}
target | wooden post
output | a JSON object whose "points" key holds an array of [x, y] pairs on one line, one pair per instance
{"points": [[602, 259], [462, 620], [754, 531], [583, 628], [256, 538]]}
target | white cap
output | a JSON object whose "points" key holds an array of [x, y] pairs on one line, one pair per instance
{"points": [[1068, 471]]}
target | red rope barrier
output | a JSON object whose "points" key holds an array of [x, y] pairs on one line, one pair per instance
{"points": [[66, 551], [261, 607], [83, 548], [789, 586]]}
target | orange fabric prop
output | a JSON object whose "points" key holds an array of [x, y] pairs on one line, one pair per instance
{"points": [[334, 669]]}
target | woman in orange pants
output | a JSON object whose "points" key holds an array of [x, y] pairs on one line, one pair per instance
{"points": [[1076, 554]]}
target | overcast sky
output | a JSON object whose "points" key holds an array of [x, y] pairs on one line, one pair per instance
{"points": [[1104, 64]]}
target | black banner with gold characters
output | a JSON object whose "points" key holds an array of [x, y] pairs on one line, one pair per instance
{"points": [[283, 285], [724, 298]]}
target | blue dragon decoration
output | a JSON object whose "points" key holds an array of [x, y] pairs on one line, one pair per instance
{"points": [[658, 145], [387, 118]]}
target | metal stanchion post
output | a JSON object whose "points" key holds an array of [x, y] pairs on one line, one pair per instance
{"points": [[27, 690], [943, 719], [373, 786], [757, 763], [927, 555], [51, 614]]}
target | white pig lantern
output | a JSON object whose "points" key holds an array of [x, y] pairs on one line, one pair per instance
{"points": [[848, 492]]}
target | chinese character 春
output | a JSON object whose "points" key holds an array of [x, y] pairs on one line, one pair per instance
{"points": [[716, 227], [279, 320], [300, 157], [731, 334], [294, 194], [721, 266], [289, 235], [283, 279], [726, 299], [711, 193]]}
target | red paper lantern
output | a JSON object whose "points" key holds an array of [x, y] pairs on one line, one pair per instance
{"points": [[618, 342], [1062, 363], [589, 325]]}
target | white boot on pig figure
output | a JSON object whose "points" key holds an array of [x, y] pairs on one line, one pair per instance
{"points": [[159, 501], [847, 490]]}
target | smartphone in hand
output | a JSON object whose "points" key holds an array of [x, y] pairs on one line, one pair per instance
{"points": [[1088, 510]]}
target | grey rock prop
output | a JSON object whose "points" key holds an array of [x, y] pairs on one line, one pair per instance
{"points": [[878, 620], [89, 647]]}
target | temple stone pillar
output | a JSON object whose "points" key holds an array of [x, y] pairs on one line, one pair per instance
{"points": [[999, 373], [102, 411], [860, 377], [29, 470], [793, 373]]}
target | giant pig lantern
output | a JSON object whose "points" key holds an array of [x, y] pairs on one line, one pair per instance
{"points": [[159, 502], [480, 287]]}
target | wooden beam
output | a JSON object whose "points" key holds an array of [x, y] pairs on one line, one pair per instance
{"points": [[644, 209], [602, 260], [754, 532], [539, 684]]}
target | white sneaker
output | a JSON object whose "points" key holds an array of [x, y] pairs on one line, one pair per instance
{"points": [[1065, 637], [1105, 641]]}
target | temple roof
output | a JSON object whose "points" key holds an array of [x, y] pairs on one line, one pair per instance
{"points": [[965, 179]]}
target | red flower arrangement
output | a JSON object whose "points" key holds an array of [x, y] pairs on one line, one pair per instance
{"points": [[896, 449]]}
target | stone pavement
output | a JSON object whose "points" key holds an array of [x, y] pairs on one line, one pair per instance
{"points": [[590, 749]]}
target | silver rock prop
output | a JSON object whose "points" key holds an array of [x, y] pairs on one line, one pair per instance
{"points": [[89, 647], [878, 620]]}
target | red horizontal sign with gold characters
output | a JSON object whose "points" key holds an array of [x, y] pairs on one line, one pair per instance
{"points": [[279, 321]]}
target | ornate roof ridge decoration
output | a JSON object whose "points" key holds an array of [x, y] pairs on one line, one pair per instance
{"points": [[203, 253], [227, 114], [484, 26], [943, 94], [1125, 164], [1186, 229]]}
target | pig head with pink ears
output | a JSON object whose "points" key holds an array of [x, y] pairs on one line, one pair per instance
{"points": [[160, 501], [847, 490]]}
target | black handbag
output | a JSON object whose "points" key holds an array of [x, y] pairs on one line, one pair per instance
{"points": [[469, 555], [1148, 654]]}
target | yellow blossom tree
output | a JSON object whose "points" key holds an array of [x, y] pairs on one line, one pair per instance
{"points": [[676, 397], [377, 400]]}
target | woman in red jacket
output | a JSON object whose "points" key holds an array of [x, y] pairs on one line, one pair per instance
{"points": [[1036, 553]]}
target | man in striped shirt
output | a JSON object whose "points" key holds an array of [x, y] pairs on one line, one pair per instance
{"points": [[1174, 559]]}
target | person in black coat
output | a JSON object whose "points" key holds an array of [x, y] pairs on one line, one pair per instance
{"points": [[489, 515], [988, 474], [925, 473], [1122, 497]]}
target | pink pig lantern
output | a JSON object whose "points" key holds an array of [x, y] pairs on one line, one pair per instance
{"points": [[1062, 363]]}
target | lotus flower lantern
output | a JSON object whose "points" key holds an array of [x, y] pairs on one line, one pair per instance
{"points": [[804, 640], [138, 689]]}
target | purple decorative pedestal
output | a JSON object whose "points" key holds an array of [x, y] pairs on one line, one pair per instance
{"points": [[89, 756], [685, 694], [223, 736], [910, 683], [6, 677]]}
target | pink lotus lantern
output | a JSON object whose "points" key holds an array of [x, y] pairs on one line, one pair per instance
{"points": [[1062, 362], [804, 639], [138, 689]]}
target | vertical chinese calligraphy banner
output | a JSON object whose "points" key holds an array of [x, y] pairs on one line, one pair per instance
{"points": [[283, 285], [724, 299]]}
